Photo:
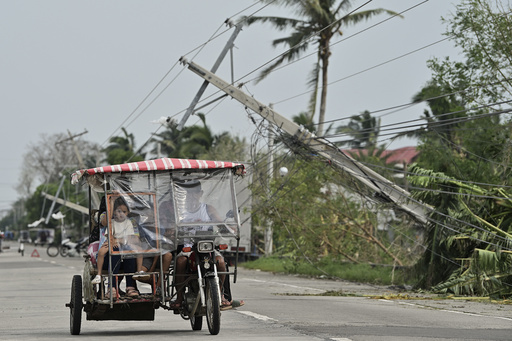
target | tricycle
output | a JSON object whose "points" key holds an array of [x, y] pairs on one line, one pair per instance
{"points": [[173, 210]]}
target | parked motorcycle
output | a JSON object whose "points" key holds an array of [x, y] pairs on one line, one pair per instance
{"points": [[71, 249]]}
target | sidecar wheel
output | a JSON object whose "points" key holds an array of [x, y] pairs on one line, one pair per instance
{"points": [[76, 305], [212, 306]]}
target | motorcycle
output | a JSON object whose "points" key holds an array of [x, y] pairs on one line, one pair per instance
{"points": [[71, 249], [202, 296]]}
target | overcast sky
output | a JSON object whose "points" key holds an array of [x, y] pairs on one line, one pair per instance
{"points": [[87, 65]]}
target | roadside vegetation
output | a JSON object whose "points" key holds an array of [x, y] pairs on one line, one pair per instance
{"points": [[333, 269]]}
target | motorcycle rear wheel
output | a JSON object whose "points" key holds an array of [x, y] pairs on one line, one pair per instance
{"points": [[64, 251], [196, 322], [82, 250]]}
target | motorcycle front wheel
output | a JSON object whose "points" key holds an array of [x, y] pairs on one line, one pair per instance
{"points": [[52, 250], [212, 306]]}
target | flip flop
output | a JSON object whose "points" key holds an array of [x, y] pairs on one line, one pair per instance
{"points": [[225, 302], [236, 303], [114, 294], [132, 292], [141, 276]]}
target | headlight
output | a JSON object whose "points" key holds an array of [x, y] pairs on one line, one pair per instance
{"points": [[205, 246]]}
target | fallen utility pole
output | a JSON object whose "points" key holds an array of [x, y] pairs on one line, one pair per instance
{"points": [[66, 203], [382, 187]]}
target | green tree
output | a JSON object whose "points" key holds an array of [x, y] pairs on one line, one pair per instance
{"points": [[16, 218], [189, 143], [482, 29], [198, 142], [168, 142], [465, 137], [323, 20], [122, 149], [228, 148], [44, 164], [446, 110], [47, 159], [364, 130], [314, 215], [306, 120], [463, 168], [469, 239]]}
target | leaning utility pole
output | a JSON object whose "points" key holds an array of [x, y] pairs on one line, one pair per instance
{"points": [[381, 187], [228, 47]]}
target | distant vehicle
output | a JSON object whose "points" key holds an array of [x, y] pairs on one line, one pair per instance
{"points": [[24, 237], [44, 236]]}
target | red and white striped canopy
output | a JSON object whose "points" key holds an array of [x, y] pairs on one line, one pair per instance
{"points": [[154, 165]]}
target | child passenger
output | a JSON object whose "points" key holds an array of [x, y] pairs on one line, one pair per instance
{"points": [[124, 232]]}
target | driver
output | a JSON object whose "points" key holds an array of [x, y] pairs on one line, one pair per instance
{"points": [[193, 210]]}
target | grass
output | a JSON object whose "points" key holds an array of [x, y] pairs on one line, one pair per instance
{"points": [[362, 273]]}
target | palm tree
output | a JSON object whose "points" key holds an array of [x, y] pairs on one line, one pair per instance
{"points": [[122, 149], [189, 143], [168, 142], [198, 142], [323, 20], [364, 130], [228, 148], [444, 109], [305, 120]]}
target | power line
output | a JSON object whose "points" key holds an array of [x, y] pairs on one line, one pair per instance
{"points": [[198, 49]]}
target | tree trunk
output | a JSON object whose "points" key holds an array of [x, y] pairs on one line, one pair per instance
{"points": [[324, 57]]}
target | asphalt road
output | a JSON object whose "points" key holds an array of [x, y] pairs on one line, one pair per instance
{"points": [[34, 291]]}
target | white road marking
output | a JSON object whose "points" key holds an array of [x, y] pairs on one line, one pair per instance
{"points": [[257, 316], [456, 312], [286, 285], [477, 315], [446, 310], [340, 339]]}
